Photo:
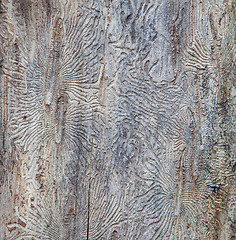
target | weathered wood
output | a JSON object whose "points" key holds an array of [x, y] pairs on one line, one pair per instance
{"points": [[117, 119]]}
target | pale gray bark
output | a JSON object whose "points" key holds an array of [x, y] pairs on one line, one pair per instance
{"points": [[117, 119]]}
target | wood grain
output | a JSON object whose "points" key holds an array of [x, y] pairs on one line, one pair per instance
{"points": [[117, 119]]}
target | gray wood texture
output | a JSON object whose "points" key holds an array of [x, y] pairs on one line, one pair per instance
{"points": [[117, 119]]}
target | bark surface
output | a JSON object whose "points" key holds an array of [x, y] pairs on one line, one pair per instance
{"points": [[117, 119]]}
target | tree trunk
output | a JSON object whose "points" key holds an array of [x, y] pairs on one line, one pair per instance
{"points": [[117, 119]]}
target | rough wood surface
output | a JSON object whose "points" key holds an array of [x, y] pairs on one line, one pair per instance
{"points": [[117, 119]]}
